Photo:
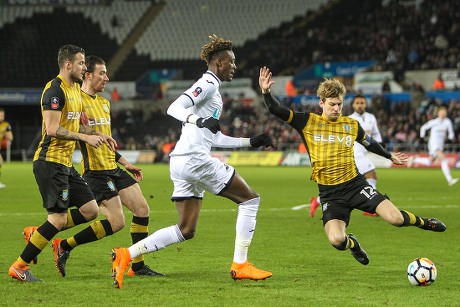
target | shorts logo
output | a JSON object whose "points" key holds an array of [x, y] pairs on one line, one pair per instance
{"points": [[54, 103], [325, 206], [197, 91], [65, 195], [111, 185]]}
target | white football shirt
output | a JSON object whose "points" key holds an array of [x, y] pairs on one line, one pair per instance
{"points": [[440, 128], [205, 101], [369, 124]]}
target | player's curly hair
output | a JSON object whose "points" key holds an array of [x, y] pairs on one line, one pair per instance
{"points": [[217, 44], [331, 88]]}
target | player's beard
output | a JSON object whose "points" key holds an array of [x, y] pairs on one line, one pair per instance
{"points": [[76, 77]]}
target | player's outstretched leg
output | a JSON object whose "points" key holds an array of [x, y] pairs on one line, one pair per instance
{"points": [[248, 271], [431, 223], [120, 262]]}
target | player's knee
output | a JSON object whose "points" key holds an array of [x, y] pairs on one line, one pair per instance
{"points": [[142, 210], [338, 241], [396, 219], [117, 222], [90, 210]]}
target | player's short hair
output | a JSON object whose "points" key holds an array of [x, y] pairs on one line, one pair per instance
{"points": [[213, 49], [331, 88], [91, 61], [68, 53], [356, 97]]}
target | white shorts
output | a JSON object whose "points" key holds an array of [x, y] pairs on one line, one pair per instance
{"points": [[194, 174], [433, 147], [363, 164]]}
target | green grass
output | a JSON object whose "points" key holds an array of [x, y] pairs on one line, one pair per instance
{"points": [[307, 271]]}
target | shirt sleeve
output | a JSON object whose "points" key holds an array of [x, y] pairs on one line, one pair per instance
{"points": [[201, 90], [298, 120], [375, 131], [53, 99]]}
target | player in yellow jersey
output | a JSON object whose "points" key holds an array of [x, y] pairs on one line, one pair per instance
{"points": [[330, 138], [59, 183], [6, 137], [112, 186]]}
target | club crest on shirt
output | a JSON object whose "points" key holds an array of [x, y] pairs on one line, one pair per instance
{"points": [[65, 195], [106, 108], [111, 185], [54, 103], [197, 91], [347, 128]]}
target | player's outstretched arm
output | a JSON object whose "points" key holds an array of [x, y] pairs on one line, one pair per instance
{"points": [[273, 105]]}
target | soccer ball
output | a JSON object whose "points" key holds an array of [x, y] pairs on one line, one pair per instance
{"points": [[421, 272]]}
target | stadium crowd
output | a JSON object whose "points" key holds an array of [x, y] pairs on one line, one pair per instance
{"points": [[399, 35]]}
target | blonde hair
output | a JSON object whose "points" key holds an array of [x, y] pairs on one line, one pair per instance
{"points": [[331, 88], [217, 44]]}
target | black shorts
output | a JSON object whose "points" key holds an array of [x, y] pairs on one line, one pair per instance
{"points": [[340, 200], [106, 184], [61, 187]]}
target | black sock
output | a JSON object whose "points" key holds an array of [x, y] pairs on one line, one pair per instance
{"points": [[139, 230], [96, 231], [39, 240]]}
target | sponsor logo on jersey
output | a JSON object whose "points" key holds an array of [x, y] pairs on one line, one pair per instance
{"points": [[98, 121], [197, 91], [54, 103], [347, 140]]}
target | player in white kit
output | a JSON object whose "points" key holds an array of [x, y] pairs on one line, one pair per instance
{"points": [[193, 170], [365, 166], [441, 127]]}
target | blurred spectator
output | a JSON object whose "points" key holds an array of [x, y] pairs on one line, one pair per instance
{"points": [[438, 84]]}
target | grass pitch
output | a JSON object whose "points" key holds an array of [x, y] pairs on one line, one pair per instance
{"points": [[307, 271]]}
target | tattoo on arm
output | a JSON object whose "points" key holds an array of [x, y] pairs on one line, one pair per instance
{"points": [[87, 130], [63, 133]]}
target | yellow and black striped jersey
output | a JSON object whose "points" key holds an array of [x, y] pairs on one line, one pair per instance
{"points": [[97, 108], [58, 95], [4, 127], [330, 145]]}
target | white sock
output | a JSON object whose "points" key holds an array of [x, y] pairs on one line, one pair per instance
{"points": [[156, 241], [372, 182], [445, 169], [423, 160], [245, 226]]}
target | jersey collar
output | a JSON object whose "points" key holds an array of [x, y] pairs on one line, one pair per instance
{"points": [[214, 76]]}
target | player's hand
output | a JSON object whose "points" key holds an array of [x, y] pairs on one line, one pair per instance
{"points": [[136, 171], [265, 81], [261, 140], [84, 119], [398, 158], [94, 140], [209, 122], [109, 141]]}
